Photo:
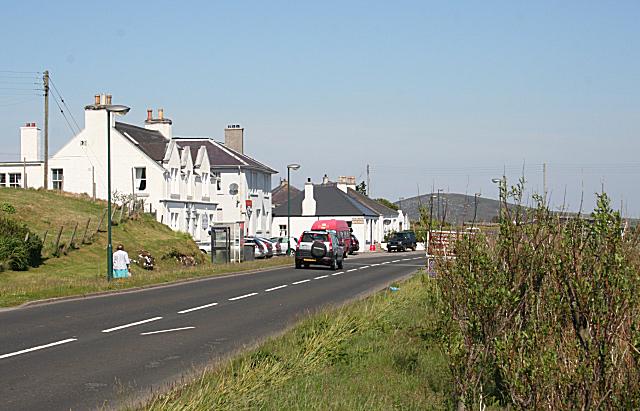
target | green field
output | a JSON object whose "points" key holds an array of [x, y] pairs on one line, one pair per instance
{"points": [[83, 269], [377, 354]]}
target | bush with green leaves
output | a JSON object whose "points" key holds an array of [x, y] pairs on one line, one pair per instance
{"points": [[546, 315], [19, 247]]}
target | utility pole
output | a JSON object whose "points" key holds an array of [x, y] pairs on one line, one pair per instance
{"points": [[544, 183], [368, 182], [45, 79]]}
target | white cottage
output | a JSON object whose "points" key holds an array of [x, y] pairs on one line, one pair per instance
{"points": [[189, 183]]}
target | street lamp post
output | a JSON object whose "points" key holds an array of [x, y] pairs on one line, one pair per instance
{"points": [[117, 109], [290, 167]]}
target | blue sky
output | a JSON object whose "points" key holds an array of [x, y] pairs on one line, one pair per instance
{"points": [[443, 94]]}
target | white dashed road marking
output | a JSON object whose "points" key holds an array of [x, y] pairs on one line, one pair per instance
{"points": [[366, 266], [406, 259], [275, 288], [374, 265], [39, 347], [321, 277], [386, 262], [240, 297], [338, 273], [353, 269], [188, 310], [120, 327], [300, 282], [167, 331], [395, 261]]}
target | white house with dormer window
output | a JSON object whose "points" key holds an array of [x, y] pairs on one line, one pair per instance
{"points": [[189, 183]]}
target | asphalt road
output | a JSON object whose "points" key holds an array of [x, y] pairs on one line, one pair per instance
{"points": [[107, 351]]}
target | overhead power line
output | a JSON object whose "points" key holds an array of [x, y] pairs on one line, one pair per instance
{"points": [[64, 103]]}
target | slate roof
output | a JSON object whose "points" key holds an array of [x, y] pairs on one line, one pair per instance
{"points": [[151, 142], [330, 201], [279, 194], [221, 156], [373, 204]]}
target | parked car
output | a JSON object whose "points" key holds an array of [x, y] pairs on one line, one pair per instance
{"points": [[319, 247], [205, 247], [342, 230], [275, 247], [281, 245], [355, 244], [266, 245], [259, 250], [402, 241]]}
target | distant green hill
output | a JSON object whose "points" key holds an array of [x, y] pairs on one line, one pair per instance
{"points": [[454, 208]]}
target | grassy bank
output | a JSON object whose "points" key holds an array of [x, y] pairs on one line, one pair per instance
{"points": [[82, 269], [376, 354]]}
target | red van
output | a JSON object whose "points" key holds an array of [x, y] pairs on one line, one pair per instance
{"points": [[342, 229]]}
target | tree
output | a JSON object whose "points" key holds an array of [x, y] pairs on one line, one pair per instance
{"points": [[362, 188], [387, 203]]}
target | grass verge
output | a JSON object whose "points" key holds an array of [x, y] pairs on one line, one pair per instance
{"points": [[377, 354], [82, 269]]}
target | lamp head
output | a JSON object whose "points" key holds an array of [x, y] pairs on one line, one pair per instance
{"points": [[496, 180], [293, 166], [117, 108]]}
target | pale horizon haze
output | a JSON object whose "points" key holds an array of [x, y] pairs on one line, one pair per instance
{"points": [[442, 95]]}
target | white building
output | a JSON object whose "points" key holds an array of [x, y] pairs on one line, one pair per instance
{"points": [[189, 183], [368, 219]]}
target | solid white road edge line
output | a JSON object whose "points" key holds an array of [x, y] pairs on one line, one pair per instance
{"points": [[338, 273], [321, 277], [300, 282], [39, 347], [242, 296], [167, 331], [188, 310], [275, 288], [148, 320]]}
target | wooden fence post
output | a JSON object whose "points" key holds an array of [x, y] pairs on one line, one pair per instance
{"points": [[56, 250], [101, 219], [121, 211], [71, 244], [44, 236], [84, 237]]}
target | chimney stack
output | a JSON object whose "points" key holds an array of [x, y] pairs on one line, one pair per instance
{"points": [[30, 147], [234, 138], [308, 203], [161, 124], [325, 179]]}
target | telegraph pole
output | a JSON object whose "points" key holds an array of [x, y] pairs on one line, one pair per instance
{"points": [[45, 79]]}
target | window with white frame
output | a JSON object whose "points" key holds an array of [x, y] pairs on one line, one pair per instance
{"points": [[14, 179], [174, 220], [3, 180], [57, 178], [217, 178], [205, 184], [175, 183], [141, 178]]}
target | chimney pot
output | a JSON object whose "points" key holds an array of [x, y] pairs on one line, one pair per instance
{"points": [[97, 99], [149, 114], [108, 98], [308, 179], [160, 113]]}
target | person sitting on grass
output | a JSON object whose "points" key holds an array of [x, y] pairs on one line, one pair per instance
{"points": [[121, 263]]}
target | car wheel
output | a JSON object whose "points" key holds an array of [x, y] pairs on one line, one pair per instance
{"points": [[298, 264], [318, 249], [340, 263], [306, 265]]}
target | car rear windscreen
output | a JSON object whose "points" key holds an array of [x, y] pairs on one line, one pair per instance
{"points": [[311, 237]]}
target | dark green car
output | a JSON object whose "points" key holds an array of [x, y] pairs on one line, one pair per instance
{"points": [[402, 241]]}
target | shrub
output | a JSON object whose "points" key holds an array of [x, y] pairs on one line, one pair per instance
{"points": [[547, 314], [7, 208], [19, 248]]}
